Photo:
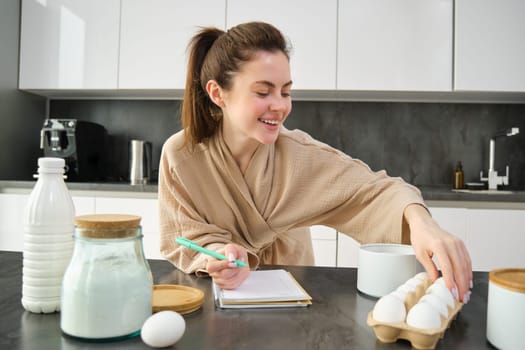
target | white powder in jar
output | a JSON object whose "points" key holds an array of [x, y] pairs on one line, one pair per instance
{"points": [[105, 299]]}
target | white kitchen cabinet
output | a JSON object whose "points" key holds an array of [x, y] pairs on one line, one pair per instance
{"points": [[490, 45], [147, 209], [154, 38], [347, 251], [69, 44], [395, 45], [324, 242], [496, 238], [452, 220], [309, 25], [12, 208]]}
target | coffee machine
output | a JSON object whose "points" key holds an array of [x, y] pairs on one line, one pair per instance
{"points": [[82, 144]]}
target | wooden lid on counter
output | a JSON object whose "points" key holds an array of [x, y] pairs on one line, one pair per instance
{"points": [[174, 297]]}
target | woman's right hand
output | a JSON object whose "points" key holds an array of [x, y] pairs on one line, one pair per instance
{"points": [[225, 273]]}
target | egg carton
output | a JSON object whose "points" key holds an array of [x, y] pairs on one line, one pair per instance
{"points": [[419, 338]]}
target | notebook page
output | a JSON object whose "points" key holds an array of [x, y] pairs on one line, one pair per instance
{"points": [[265, 285]]}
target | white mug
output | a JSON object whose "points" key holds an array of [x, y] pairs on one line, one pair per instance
{"points": [[384, 267]]}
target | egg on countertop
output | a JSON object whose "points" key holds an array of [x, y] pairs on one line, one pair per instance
{"points": [[163, 329], [390, 309]]}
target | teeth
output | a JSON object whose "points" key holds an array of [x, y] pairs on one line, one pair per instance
{"points": [[270, 122]]}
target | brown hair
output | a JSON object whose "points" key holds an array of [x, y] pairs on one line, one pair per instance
{"points": [[217, 55]]}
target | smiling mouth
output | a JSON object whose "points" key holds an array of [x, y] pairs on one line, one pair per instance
{"points": [[269, 122]]}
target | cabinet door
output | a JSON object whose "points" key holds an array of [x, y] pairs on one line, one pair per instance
{"points": [[69, 44], [147, 209], [452, 220], [497, 238], [395, 45], [12, 207], [324, 242], [84, 205], [347, 251], [309, 25], [490, 45], [154, 38]]}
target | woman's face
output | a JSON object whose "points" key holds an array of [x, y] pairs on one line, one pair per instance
{"points": [[259, 100]]}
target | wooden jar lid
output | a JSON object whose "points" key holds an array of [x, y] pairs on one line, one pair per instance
{"points": [[512, 279], [107, 225], [181, 299]]}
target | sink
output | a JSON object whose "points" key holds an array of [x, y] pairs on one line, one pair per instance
{"points": [[484, 191]]}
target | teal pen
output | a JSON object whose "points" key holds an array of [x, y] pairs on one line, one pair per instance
{"points": [[192, 245]]}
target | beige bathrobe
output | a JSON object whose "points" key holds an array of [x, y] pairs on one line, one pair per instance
{"points": [[288, 186]]}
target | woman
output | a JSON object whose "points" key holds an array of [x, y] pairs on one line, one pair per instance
{"points": [[235, 180]]}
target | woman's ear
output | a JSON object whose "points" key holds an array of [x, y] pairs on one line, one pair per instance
{"points": [[215, 92]]}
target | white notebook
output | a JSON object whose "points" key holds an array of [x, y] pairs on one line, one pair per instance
{"points": [[262, 289]]}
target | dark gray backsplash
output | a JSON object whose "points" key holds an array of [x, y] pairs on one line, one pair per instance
{"points": [[149, 120], [421, 142]]}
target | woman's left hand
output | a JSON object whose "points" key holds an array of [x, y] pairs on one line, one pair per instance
{"points": [[429, 240]]}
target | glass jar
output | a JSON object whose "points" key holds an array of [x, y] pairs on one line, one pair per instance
{"points": [[107, 287]]}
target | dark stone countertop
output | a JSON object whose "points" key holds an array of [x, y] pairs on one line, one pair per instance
{"points": [[335, 320], [84, 186], [429, 192]]}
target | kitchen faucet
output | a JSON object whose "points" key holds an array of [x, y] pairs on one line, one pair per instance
{"points": [[493, 178]]}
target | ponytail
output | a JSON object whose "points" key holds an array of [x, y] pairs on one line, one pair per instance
{"points": [[198, 110]]}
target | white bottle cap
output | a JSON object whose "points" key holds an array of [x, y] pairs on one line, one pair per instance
{"points": [[51, 165]]}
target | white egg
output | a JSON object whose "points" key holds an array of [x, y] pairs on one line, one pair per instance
{"points": [[401, 294], [441, 291], [423, 316], [390, 309], [163, 329], [422, 276], [436, 302], [413, 283], [406, 288], [440, 280]]}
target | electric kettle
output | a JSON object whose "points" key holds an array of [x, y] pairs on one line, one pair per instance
{"points": [[139, 162]]}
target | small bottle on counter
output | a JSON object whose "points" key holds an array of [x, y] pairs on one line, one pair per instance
{"points": [[48, 238], [459, 177]]}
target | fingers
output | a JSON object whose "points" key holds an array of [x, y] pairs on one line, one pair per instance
{"points": [[226, 274], [456, 266], [233, 279], [234, 251], [429, 240], [427, 262]]}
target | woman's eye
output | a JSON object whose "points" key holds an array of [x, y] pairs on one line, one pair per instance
{"points": [[285, 94], [262, 93]]}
